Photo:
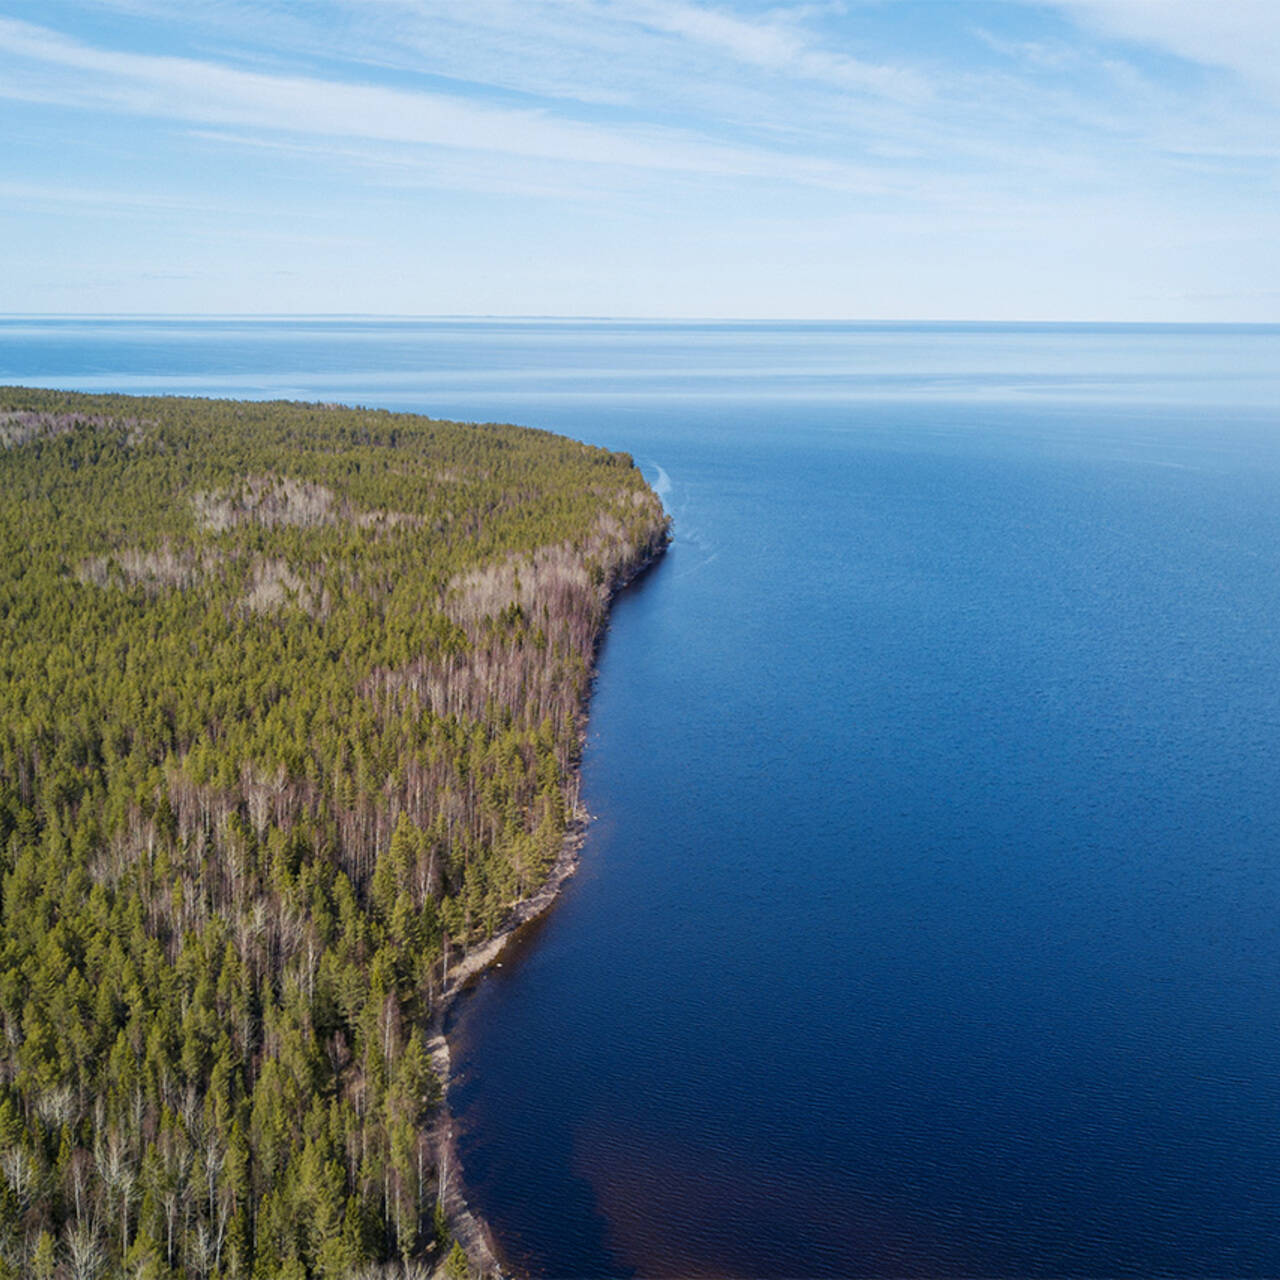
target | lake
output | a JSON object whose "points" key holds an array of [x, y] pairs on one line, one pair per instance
{"points": [[930, 921]]}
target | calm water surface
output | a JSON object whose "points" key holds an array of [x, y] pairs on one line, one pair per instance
{"points": [[930, 924]]}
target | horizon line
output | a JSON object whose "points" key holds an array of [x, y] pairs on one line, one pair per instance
{"points": [[587, 318]]}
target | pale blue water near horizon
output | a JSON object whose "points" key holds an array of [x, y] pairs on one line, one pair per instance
{"points": [[930, 924]]}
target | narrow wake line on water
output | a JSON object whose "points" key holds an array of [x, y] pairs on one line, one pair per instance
{"points": [[702, 564], [663, 486]]}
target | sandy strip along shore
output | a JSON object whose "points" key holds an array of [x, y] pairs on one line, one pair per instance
{"points": [[465, 1224]]}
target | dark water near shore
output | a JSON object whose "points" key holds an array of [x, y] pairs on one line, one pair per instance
{"points": [[931, 921]]}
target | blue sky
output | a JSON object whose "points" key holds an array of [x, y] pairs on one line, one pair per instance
{"points": [[880, 159]]}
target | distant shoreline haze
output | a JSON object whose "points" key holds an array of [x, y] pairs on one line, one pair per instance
{"points": [[495, 368]]}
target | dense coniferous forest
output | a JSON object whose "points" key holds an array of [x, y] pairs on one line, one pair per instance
{"points": [[289, 715]]}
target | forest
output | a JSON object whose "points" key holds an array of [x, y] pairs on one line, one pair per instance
{"points": [[291, 703]]}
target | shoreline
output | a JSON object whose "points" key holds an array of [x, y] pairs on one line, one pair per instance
{"points": [[466, 1225]]}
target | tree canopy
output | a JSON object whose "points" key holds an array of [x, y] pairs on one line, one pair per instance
{"points": [[290, 703]]}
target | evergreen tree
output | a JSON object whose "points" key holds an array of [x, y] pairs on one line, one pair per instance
{"points": [[289, 707]]}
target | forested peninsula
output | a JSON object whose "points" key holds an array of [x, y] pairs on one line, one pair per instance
{"points": [[290, 711]]}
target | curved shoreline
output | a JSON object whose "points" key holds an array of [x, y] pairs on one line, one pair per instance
{"points": [[465, 1224]]}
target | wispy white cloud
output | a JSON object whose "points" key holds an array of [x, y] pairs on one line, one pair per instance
{"points": [[675, 86], [1241, 36], [727, 141], [207, 92], [779, 43], [775, 73], [972, 144]]}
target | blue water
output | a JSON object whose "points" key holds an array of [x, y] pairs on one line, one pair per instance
{"points": [[930, 923]]}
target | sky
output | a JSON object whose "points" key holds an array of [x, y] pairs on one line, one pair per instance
{"points": [[845, 159]]}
